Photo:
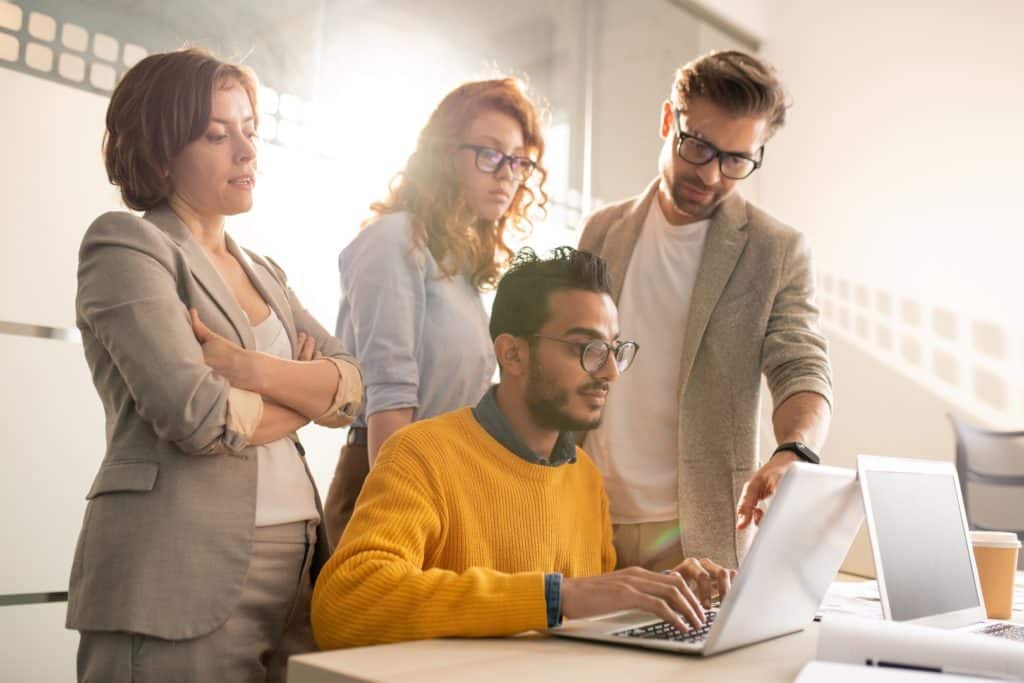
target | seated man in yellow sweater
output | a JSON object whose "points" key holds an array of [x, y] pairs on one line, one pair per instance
{"points": [[489, 521]]}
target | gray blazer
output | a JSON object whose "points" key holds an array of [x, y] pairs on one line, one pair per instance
{"points": [[167, 534], [752, 312]]}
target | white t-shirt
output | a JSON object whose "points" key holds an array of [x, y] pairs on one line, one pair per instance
{"points": [[284, 492], [636, 446]]}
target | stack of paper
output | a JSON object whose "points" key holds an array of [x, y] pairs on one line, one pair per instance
{"points": [[891, 644], [851, 598]]}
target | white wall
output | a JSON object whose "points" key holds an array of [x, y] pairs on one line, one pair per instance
{"points": [[900, 161], [640, 45], [50, 416], [750, 16]]}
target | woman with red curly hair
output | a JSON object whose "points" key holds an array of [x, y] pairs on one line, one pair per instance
{"points": [[411, 281]]}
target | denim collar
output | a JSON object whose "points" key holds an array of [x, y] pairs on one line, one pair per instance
{"points": [[494, 423]]}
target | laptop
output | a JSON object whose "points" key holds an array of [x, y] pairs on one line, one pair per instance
{"points": [[799, 546], [921, 544]]}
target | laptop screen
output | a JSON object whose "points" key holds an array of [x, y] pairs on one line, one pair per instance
{"points": [[920, 536]]}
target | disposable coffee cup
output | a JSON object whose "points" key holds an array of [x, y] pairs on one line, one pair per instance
{"points": [[995, 554]]}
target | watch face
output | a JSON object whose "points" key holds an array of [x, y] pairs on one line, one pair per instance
{"points": [[807, 454]]}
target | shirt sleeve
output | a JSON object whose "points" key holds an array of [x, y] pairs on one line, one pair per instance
{"points": [[383, 277], [244, 412], [348, 397], [553, 597]]}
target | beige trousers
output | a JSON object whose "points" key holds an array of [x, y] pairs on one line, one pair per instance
{"points": [[270, 623], [652, 545]]}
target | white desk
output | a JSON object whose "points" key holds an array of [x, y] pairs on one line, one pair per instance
{"points": [[537, 657], [542, 658]]}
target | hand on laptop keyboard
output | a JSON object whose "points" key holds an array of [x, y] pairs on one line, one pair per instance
{"points": [[708, 580], [665, 595], [665, 631]]}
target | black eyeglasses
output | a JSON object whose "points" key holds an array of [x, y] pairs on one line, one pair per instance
{"points": [[594, 354], [490, 160], [698, 152]]}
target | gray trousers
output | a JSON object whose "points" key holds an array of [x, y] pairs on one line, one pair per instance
{"points": [[270, 623]]}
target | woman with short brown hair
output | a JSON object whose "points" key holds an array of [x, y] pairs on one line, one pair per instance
{"points": [[411, 280], [202, 533]]}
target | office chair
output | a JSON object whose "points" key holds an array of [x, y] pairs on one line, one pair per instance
{"points": [[990, 465]]}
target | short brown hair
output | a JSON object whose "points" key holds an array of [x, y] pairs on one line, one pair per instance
{"points": [[162, 104], [428, 189], [739, 83]]}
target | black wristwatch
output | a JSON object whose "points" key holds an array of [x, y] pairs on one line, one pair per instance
{"points": [[801, 450]]}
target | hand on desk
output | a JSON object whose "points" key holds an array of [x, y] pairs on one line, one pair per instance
{"points": [[667, 595]]}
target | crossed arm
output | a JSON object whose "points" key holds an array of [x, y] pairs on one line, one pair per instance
{"points": [[138, 332], [294, 392]]}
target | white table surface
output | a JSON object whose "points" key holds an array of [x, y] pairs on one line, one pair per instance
{"points": [[538, 657]]}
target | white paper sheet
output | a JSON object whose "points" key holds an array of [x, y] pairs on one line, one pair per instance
{"points": [[857, 641], [831, 672], [852, 598]]}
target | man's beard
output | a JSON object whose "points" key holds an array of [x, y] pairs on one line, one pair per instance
{"points": [[691, 208], [547, 403]]}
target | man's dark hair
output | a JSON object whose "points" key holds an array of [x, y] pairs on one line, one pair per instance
{"points": [[521, 302]]}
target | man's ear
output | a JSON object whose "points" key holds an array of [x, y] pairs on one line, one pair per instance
{"points": [[512, 354]]}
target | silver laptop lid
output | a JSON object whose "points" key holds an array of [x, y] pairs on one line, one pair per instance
{"points": [[920, 541], [799, 547]]}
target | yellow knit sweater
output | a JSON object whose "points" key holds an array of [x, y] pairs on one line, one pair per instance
{"points": [[452, 535]]}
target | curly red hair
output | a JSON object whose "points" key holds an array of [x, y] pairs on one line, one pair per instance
{"points": [[428, 189]]}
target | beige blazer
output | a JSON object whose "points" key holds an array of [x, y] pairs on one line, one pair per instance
{"points": [[752, 312], [167, 534]]}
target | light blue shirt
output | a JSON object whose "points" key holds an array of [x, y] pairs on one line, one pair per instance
{"points": [[421, 339]]}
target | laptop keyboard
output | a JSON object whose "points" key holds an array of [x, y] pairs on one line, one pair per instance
{"points": [[1004, 631], [666, 631]]}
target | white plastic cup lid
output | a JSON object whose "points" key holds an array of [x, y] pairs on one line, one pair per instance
{"points": [[995, 539]]}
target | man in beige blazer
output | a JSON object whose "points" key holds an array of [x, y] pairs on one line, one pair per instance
{"points": [[716, 292]]}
